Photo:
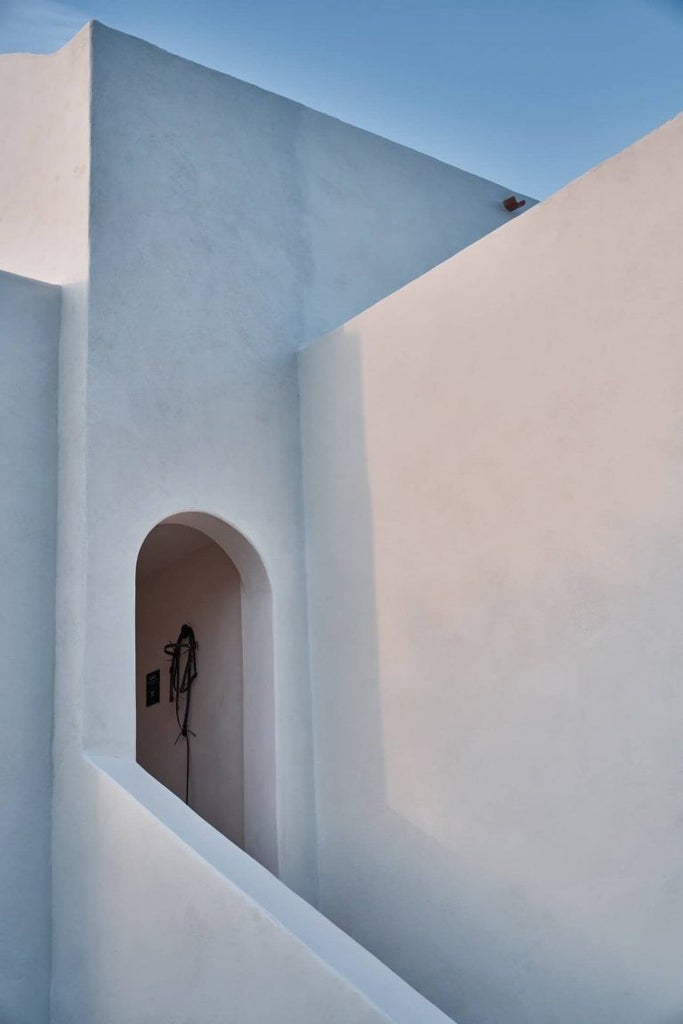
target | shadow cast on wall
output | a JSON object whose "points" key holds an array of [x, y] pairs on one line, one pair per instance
{"points": [[474, 818]]}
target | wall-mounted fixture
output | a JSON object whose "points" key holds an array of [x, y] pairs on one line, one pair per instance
{"points": [[152, 687], [181, 677], [512, 203]]}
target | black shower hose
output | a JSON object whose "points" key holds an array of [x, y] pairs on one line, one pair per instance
{"points": [[182, 674]]}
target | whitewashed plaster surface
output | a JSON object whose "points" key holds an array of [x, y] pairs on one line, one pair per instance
{"points": [[493, 460], [29, 344], [203, 230], [44, 114], [229, 226]]}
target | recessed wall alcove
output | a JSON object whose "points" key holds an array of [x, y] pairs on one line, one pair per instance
{"points": [[196, 569]]}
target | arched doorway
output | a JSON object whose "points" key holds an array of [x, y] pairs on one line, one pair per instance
{"points": [[194, 569]]}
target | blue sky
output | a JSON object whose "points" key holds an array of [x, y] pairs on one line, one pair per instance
{"points": [[528, 92]]}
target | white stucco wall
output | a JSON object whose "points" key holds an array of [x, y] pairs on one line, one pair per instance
{"points": [[203, 589], [227, 227], [494, 496], [246, 948], [44, 113], [225, 222], [29, 337]]}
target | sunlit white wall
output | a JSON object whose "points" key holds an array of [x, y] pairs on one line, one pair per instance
{"points": [[493, 464]]}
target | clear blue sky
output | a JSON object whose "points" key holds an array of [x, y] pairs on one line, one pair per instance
{"points": [[528, 92]]}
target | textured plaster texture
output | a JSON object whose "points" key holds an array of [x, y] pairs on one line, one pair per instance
{"points": [[228, 227], [494, 497], [203, 230], [29, 340]]}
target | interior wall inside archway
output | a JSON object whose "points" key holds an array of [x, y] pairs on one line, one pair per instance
{"points": [[184, 576]]}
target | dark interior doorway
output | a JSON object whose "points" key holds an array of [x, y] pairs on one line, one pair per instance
{"points": [[185, 577]]}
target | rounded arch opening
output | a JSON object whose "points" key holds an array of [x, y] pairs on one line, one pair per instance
{"points": [[195, 569]]}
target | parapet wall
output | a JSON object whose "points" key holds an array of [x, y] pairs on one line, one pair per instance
{"points": [[494, 492], [29, 338]]}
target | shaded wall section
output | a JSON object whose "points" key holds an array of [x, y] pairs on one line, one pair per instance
{"points": [[183, 576], [493, 468], [29, 337], [228, 226]]}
